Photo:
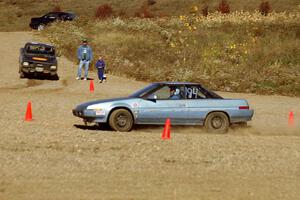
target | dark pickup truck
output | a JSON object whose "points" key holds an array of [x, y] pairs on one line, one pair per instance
{"points": [[38, 59]]}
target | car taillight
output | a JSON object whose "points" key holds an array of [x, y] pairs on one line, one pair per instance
{"points": [[243, 107]]}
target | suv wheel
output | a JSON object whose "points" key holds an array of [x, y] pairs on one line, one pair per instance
{"points": [[121, 120], [217, 122], [22, 75], [54, 77]]}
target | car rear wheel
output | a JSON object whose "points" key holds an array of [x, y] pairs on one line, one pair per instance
{"points": [[121, 120], [217, 122]]}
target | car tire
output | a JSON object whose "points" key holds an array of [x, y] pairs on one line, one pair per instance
{"points": [[121, 120], [41, 27], [216, 122], [54, 77]]}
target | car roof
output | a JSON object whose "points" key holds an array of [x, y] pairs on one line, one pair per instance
{"points": [[178, 83], [38, 43], [61, 12]]}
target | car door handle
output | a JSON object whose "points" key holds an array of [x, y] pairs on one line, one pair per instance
{"points": [[182, 104]]}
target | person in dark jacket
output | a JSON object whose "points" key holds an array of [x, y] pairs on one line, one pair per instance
{"points": [[84, 55], [100, 66]]}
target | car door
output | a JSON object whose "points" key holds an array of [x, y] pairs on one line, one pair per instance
{"points": [[198, 105], [156, 110]]}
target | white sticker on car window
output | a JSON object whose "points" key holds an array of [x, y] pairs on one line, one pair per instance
{"points": [[192, 93]]}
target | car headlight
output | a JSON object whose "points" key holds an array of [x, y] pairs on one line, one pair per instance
{"points": [[99, 111], [53, 67], [25, 64]]}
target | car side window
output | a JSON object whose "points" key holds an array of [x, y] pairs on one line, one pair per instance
{"points": [[194, 92], [170, 93], [51, 16], [163, 93]]}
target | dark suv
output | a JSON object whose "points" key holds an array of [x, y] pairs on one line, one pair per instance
{"points": [[39, 23], [38, 59]]}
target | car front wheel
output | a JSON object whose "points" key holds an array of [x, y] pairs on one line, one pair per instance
{"points": [[217, 122], [121, 120], [41, 27]]}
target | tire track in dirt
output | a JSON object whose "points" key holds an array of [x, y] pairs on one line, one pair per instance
{"points": [[29, 83]]}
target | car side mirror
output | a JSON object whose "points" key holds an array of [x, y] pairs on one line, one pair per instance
{"points": [[152, 97]]}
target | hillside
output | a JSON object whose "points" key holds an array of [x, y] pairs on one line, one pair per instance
{"points": [[19, 12], [243, 51], [240, 52]]}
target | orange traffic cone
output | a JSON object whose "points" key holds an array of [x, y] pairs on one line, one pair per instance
{"points": [[166, 134], [92, 86], [28, 116], [291, 119]]}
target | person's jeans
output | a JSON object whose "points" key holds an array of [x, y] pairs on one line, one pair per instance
{"points": [[86, 68], [100, 73]]}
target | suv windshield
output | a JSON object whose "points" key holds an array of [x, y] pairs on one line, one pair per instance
{"points": [[40, 49]]}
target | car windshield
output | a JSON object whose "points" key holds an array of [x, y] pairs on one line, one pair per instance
{"points": [[144, 91], [40, 49]]}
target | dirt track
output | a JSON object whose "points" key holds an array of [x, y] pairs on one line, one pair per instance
{"points": [[51, 158]]}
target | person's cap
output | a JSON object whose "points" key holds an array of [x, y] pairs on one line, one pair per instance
{"points": [[84, 40]]}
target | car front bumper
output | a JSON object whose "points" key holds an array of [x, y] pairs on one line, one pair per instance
{"points": [[40, 70], [90, 116], [39, 67]]}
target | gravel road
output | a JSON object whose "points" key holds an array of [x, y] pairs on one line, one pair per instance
{"points": [[55, 157]]}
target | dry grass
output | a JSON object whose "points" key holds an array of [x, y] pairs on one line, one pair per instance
{"points": [[21, 11], [240, 52]]}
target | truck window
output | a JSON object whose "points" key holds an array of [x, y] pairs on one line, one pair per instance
{"points": [[39, 49]]}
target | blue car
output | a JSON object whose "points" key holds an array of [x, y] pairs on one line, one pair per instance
{"points": [[183, 103]]}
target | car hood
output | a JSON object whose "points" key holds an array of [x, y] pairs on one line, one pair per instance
{"points": [[83, 106]]}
